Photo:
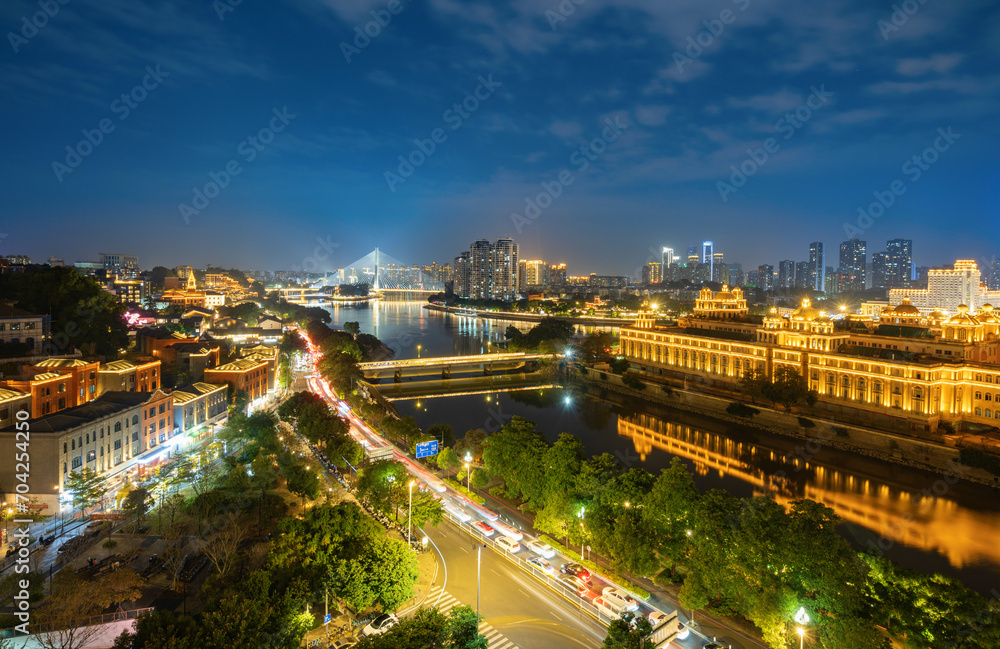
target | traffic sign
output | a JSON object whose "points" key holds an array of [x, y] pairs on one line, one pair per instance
{"points": [[326, 619], [426, 449]]}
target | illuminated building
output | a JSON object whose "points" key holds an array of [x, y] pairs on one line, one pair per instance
{"points": [[187, 296], [532, 272], [557, 274], [899, 266], [853, 266], [11, 403], [126, 376], [765, 277], [249, 374], [817, 267], [651, 273], [18, 326], [131, 291], [948, 288], [725, 305], [908, 372], [119, 266], [56, 384], [786, 274], [199, 406]]}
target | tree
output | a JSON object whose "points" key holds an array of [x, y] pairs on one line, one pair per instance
{"points": [[472, 444], [448, 459], [630, 631], [222, 548], [87, 487], [136, 504], [240, 401], [426, 509], [428, 628], [754, 384], [790, 387], [443, 433], [383, 574], [596, 347], [162, 629], [353, 328], [302, 482], [253, 614], [463, 629], [383, 483], [620, 365], [118, 587], [72, 599], [516, 453]]}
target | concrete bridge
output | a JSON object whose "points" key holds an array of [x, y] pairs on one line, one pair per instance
{"points": [[445, 366]]}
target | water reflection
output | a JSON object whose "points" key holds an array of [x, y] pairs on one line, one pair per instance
{"points": [[929, 523]]}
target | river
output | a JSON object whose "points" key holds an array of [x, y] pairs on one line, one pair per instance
{"points": [[913, 516]]}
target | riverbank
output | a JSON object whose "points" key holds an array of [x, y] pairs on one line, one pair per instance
{"points": [[529, 317], [882, 445]]}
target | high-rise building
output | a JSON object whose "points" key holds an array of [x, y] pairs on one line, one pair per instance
{"points": [[708, 257], [722, 274], [557, 274], [736, 277], [480, 269], [994, 277], [667, 258], [900, 262], [947, 289], [817, 267], [880, 270], [802, 274], [652, 273], [503, 283], [786, 274], [119, 266], [853, 266], [765, 277], [461, 270], [693, 256], [532, 272]]}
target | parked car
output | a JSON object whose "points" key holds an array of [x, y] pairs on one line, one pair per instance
{"points": [[574, 583], [380, 624], [543, 550], [617, 594], [343, 643], [542, 565], [509, 544], [682, 631], [576, 570], [484, 528]]}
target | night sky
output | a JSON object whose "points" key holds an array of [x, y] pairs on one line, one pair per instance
{"points": [[833, 99]]}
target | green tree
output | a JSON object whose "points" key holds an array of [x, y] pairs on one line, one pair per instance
{"points": [[790, 387], [630, 631], [754, 384], [442, 433], [136, 504], [383, 573], [472, 444], [161, 629], [448, 459], [87, 487], [463, 629], [118, 587], [428, 628], [516, 453], [596, 347], [353, 328], [383, 483], [426, 509], [302, 481]]}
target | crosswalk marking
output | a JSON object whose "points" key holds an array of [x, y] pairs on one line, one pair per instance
{"points": [[436, 596]]}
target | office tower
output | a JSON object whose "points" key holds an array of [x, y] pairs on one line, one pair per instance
{"points": [[667, 258], [461, 270], [853, 266], [708, 257], [480, 269], [119, 266], [817, 267], [994, 274], [948, 288], [503, 267], [900, 262], [880, 270], [652, 273], [722, 274], [693, 256], [786, 274], [832, 281], [753, 278], [736, 277], [802, 274], [765, 277], [531, 272], [716, 262]]}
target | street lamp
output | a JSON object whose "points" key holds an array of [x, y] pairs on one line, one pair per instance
{"points": [[468, 478], [409, 518], [479, 570], [802, 635], [418, 351], [802, 619]]}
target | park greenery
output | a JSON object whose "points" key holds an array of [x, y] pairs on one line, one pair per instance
{"points": [[429, 628], [548, 336], [787, 388], [744, 557]]}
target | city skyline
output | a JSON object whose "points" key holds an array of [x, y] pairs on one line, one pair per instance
{"points": [[866, 108]]}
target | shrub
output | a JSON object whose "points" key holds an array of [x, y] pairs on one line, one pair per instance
{"points": [[110, 543], [806, 423], [737, 409]]}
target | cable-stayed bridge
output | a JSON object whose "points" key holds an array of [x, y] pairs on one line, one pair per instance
{"points": [[383, 273]]}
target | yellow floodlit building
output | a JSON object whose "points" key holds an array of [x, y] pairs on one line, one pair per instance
{"points": [[906, 370]]}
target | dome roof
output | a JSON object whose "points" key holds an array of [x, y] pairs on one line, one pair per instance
{"points": [[962, 317], [906, 308], [724, 295], [805, 312]]}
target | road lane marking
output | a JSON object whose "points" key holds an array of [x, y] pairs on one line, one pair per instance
{"points": [[523, 593], [556, 616], [495, 572]]}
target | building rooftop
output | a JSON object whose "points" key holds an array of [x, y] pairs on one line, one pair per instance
{"points": [[74, 417], [191, 391], [63, 362], [239, 365], [127, 398], [7, 394], [11, 311]]}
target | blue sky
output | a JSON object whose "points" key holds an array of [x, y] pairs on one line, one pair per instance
{"points": [[688, 116]]}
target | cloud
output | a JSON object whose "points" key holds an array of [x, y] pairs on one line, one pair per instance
{"points": [[939, 64], [652, 115], [566, 129], [778, 102]]}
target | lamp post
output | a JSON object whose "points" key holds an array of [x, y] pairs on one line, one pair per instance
{"points": [[802, 635], [583, 532], [409, 518], [468, 478], [479, 570], [802, 619]]}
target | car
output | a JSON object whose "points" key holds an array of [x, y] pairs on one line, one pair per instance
{"points": [[576, 570], [380, 624], [575, 584], [682, 631], [484, 528], [93, 527], [542, 565], [343, 643], [509, 544], [618, 595], [610, 608], [543, 550], [713, 645]]}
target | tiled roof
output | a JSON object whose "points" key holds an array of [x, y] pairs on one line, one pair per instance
{"points": [[62, 362], [6, 394], [74, 417]]}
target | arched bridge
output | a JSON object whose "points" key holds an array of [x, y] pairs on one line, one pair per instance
{"points": [[445, 366]]}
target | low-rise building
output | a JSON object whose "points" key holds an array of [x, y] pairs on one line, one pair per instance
{"points": [[192, 358], [18, 326], [129, 376], [249, 374], [11, 403], [152, 341], [198, 407]]}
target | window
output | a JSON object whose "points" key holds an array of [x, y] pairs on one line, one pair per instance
{"points": [[135, 437], [988, 396], [93, 388], [91, 456], [152, 428], [62, 387], [163, 408], [102, 451], [979, 395], [77, 462], [118, 426], [979, 412], [162, 424], [62, 402], [152, 412], [118, 444], [88, 437], [135, 419], [102, 433]]}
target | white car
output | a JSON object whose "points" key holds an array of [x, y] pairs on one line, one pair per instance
{"points": [[380, 624], [542, 565], [509, 544], [656, 617], [619, 597], [543, 550]]}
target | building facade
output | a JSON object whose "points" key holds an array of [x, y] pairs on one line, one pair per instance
{"points": [[128, 376], [853, 266], [117, 265], [817, 267], [18, 326], [948, 289]]}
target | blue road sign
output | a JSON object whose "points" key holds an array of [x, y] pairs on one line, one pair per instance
{"points": [[426, 449], [326, 619]]}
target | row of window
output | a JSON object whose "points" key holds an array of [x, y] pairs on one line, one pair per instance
{"points": [[17, 326]]}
